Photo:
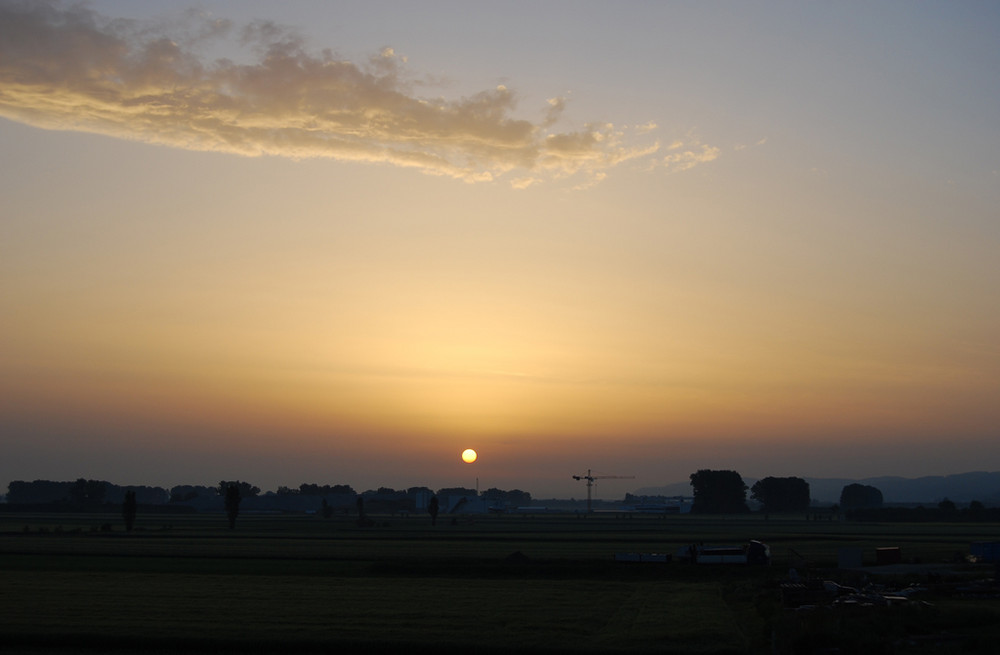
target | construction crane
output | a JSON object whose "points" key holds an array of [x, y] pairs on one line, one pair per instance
{"points": [[590, 482]]}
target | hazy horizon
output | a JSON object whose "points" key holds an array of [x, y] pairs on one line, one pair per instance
{"points": [[982, 486], [342, 242]]}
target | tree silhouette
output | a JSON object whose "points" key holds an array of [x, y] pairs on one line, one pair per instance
{"points": [[718, 492], [246, 489], [860, 496], [309, 489], [781, 494], [432, 508], [457, 491], [128, 510], [233, 499], [88, 493]]}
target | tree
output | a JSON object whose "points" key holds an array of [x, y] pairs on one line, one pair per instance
{"points": [[88, 493], [38, 491], [860, 496], [233, 499], [518, 498], [309, 489], [129, 510], [432, 509], [718, 492], [457, 491], [246, 489], [185, 492], [781, 494]]}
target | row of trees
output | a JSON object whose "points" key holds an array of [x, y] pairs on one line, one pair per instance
{"points": [[84, 493], [317, 490], [715, 491], [81, 492], [724, 492]]}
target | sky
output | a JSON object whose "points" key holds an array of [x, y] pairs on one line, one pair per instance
{"points": [[339, 243]]}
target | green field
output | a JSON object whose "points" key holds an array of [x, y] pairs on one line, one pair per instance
{"points": [[541, 584]]}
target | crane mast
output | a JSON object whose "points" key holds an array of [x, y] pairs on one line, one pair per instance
{"points": [[590, 477]]}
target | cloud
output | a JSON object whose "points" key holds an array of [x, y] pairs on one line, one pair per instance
{"points": [[683, 156], [743, 146], [69, 68]]}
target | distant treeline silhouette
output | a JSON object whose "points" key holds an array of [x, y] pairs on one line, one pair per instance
{"points": [[83, 494], [318, 489]]}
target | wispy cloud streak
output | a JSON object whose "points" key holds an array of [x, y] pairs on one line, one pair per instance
{"points": [[681, 156], [69, 68]]}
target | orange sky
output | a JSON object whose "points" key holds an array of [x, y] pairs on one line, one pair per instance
{"points": [[347, 266]]}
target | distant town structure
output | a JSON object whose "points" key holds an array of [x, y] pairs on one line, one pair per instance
{"points": [[659, 504]]}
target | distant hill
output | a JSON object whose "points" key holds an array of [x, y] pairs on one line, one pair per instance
{"points": [[960, 487]]}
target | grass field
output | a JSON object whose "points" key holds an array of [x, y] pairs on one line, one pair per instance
{"points": [[304, 584]]}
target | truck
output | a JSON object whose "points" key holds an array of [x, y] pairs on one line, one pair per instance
{"points": [[752, 552]]}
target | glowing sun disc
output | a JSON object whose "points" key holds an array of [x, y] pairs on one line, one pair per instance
{"points": [[469, 455]]}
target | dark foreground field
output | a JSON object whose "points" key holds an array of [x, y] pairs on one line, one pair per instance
{"points": [[543, 584]]}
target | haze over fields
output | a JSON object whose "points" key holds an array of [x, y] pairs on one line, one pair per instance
{"points": [[343, 242]]}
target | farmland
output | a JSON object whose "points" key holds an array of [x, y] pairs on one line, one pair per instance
{"points": [[492, 583]]}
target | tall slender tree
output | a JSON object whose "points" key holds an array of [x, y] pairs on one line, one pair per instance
{"points": [[233, 499], [129, 510], [432, 508]]}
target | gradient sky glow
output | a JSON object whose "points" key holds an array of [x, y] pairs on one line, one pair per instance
{"points": [[342, 242]]}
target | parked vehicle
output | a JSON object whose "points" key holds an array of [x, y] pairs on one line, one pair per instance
{"points": [[752, 552]]}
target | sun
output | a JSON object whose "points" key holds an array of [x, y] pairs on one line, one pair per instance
{"points": [[469, 455]]}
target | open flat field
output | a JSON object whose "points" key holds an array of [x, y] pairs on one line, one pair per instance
{"points": [[535, 584]]}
